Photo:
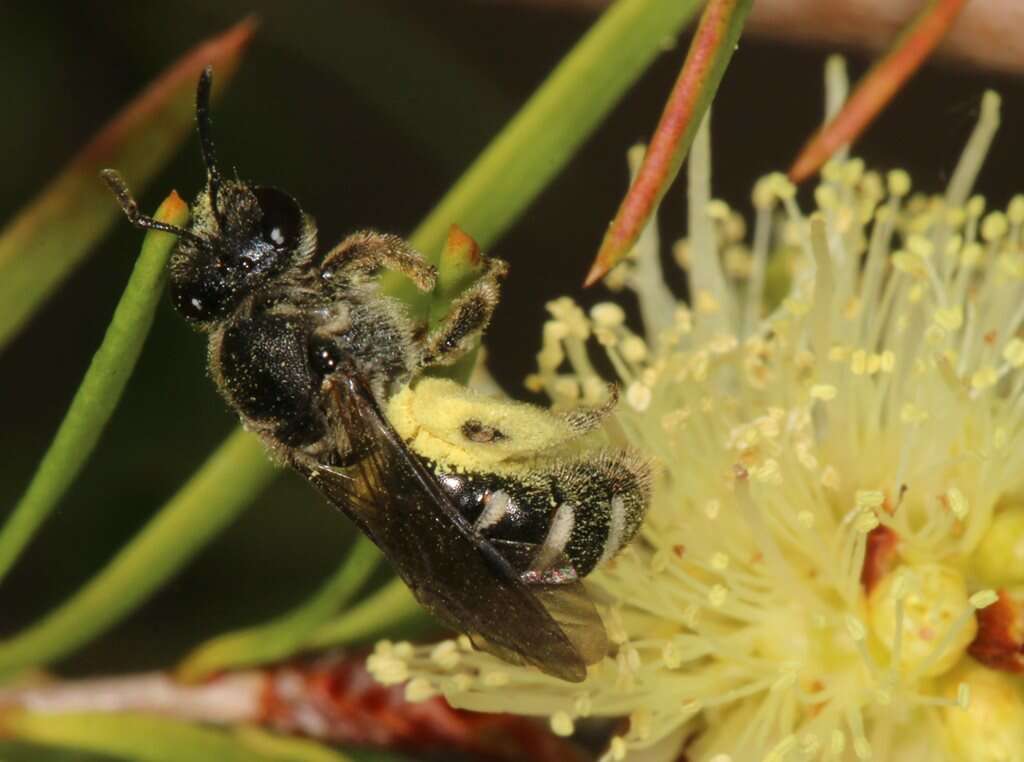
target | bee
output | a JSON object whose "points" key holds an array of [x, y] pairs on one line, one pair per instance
{"points": [[490, 511]]}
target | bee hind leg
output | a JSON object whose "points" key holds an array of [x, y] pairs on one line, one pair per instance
{"points": [[584, 419]]}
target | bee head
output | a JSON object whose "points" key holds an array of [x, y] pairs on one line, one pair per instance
{"points": [[238, 238], [241, 237]]}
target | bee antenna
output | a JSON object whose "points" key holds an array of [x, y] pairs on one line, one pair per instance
{"points": [[205, 122], [119, 188]]}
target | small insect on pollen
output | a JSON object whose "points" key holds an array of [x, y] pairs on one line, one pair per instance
{"points": [[491, 511]]}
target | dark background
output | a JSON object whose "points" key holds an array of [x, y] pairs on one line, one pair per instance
{"points": [[365, 111]]}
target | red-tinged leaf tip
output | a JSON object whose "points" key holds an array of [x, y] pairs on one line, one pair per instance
{"points": [[886, 78], [172, 209], [600, 268], [461, 245], [121, 142], [222, 52], [710, 51]]}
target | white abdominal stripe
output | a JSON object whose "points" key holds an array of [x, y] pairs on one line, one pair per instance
{"points": [[494, 511], [577, 513], [617, 530], [559, 532]]}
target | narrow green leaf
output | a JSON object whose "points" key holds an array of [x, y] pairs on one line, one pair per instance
{"points": [[281, 637], [135, 737], [49, 237], [549, 129], [204, 505], [391, 605], [709, 55], [286, 748], [100, 390]]}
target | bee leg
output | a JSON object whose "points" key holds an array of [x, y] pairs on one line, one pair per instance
{"points": [[467, 318], [584, 419], [366, 251]]}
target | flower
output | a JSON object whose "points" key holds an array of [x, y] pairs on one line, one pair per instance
{"points": [[838, 416]]}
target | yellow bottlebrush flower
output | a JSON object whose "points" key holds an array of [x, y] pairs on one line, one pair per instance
{"points": [[832, 458]]}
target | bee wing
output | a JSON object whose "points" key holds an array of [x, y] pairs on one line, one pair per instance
{"points": [[458, 576], [566, 601]]}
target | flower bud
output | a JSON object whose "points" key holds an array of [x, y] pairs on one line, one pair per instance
{"points": [[987, 725], [936, 613], [999, 558]]}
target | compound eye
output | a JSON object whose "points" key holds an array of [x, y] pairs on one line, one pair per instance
{"points": [[281, 222], [324, 356]]}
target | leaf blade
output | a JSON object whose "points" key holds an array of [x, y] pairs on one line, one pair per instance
{"points": [[561, 114], [204, 505], [709, 55], [906, 55], [100, 391], [53, 234]]}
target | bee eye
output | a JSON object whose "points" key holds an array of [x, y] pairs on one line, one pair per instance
{"points": [[281, 222]]}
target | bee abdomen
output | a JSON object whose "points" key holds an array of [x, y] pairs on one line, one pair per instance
{"points": [[608, 497], [582, 510]]}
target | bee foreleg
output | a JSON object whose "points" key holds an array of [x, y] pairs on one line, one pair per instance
{"points": [[469, 316], [366, 252]]}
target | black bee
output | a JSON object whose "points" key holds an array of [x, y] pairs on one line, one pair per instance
{"points": [[309, 353]]}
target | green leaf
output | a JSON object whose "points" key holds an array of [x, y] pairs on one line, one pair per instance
{"points": [[49, 237], [208, 502], [458, 267], [281, 637], [390, 606], [135, 737], [100, 390], [286, 748], [549, 129]]}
